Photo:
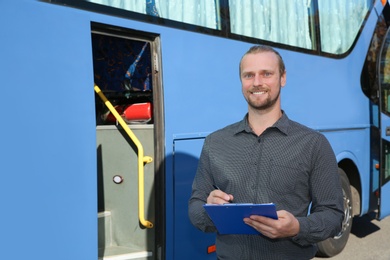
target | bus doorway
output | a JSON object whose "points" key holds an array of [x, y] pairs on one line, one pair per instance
{"points": [[129, 147], [384, 104]]}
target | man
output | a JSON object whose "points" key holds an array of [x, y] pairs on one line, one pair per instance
{"points": [[265, 158]]}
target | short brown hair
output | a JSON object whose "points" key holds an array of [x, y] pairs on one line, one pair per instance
{"points": [[264, 48]]}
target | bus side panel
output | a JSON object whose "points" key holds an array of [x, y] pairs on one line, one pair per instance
{"points": [[48, 143], [354, 140], [194, 242]]}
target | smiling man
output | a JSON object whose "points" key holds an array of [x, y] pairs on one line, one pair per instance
{"points": [[266, 157]]}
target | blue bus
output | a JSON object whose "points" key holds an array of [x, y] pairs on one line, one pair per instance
{"points": [[106, 104]]}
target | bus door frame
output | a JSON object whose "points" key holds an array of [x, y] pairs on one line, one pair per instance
{"points": [[384, 122]]}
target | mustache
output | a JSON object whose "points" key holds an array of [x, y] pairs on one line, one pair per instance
{"points": [[258, 89]]}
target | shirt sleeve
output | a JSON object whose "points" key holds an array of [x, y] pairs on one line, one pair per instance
{"points": [[201, 188], [326, 212]]}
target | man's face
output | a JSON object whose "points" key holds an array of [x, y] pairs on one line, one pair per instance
{"points": [[261, 80]]}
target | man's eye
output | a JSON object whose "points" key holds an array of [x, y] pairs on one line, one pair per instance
{"points": [[267, 74], [248, 76]]}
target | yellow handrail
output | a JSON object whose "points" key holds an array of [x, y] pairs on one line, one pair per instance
{"points": [[141, 159]]}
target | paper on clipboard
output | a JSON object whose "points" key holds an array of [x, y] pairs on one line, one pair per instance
{"points": [[229, 218]]}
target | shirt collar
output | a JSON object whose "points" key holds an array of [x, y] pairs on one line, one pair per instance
{"points": [[282, 124]]}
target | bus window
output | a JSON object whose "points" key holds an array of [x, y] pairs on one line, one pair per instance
{"points": [[285, 21], [197, 12], [384, 76], [369, 79], [340, 22], [122, 70]]}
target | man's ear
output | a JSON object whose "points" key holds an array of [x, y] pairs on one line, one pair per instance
{"points": [[283, 79]]}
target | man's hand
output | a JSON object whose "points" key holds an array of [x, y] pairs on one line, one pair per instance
{"points": [[285, 226], [219, 197]]}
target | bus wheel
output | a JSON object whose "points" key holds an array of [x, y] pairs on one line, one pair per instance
{"points": [[334, 245]]}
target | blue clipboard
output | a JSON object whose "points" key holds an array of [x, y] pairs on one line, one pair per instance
{"points": [[229, 218]]}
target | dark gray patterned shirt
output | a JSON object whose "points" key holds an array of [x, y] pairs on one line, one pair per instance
{"points": [[289, 165]]}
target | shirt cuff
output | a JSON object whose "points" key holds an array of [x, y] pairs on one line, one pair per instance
{"points": [[301, 237]]}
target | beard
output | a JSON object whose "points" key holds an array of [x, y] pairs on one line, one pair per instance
{"points": [[264, 105]]}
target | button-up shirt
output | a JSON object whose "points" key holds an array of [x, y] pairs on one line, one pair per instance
{"points": [[290, 165]]}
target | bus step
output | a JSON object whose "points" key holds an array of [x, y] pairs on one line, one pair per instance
{"points": [[104, 229], [109, 250], [123, 253]]}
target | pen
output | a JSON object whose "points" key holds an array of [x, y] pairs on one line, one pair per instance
{"points": [[217, 188]]}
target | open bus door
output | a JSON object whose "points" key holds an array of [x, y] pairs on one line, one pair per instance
{"points": [[384, 104], [129, 143]]}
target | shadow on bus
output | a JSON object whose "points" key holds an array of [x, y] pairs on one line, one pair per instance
{"points": [[363, 226]]}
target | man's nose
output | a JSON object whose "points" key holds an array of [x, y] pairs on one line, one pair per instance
{"points": [[258, 81]]}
